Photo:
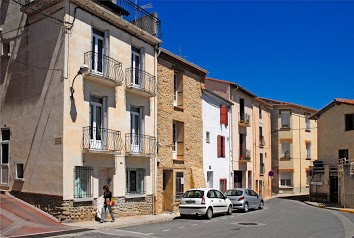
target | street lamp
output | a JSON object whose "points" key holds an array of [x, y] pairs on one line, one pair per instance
{"points": [[83, 70]]}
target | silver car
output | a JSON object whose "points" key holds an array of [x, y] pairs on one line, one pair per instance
{"points": [[244, 199]]}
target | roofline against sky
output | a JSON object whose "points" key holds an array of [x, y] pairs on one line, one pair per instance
{"points": [[282, 103], [336, 101], [207, 91], [233, 84]]}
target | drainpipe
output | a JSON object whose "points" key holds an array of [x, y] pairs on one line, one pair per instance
{"points": [[300, 147], [254, 145], [231, 140]]}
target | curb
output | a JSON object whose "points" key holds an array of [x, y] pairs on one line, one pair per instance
{"points": [[141, 223], [331, 208]]}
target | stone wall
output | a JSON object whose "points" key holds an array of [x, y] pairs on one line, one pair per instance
{"points": [[70, 211], [190, 114]]}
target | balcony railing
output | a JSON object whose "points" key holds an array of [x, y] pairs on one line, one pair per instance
{"points": [[127, 10], [286, 155], [140, 81], [261, 141], [101, 139], [244, 118], [136, 144], [245, 155], [104, 67]]}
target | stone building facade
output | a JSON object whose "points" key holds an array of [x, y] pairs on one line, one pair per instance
{"points": [[78, 95], [179, 129]]}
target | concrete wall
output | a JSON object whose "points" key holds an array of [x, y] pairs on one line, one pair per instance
{"points": [[191, 115], [220, 167], [31, 98], [332, 135]]}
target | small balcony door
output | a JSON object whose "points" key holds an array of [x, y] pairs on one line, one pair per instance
{"points": [[97, 63], [135, 129], [136, 67], [96, 122]]}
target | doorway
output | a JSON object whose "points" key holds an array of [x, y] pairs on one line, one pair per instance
{"points": [[333, 188], [167, 189], [105, 176], [237, 179]]}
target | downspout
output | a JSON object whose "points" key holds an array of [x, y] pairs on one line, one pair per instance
{"points": [[157, 53], [231, 140], [300, 147], [254, 144]]}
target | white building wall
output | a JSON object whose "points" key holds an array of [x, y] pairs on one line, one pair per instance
{"points": [[221, 167]]}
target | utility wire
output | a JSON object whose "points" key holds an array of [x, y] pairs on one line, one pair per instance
{"points": [[35, 66]]}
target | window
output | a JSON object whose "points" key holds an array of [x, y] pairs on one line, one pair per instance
{"points": [[5, 155], [261, 137], [179, 183], [178, 140], [261, 164], [223, 185], [308, 150], [260, 111], [224, 115], [285, 179], [207, 137], [221, 147], [285, 149], [285, 119], [178, 89], [98, 52], [307, 118], [19, 171], [137, 130], [349, 122], [135, 181], [343, 156], [5, 49], [83, 184], [218, 194]]}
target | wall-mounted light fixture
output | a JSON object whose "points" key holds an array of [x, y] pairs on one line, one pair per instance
{"points": [[83, 70]]}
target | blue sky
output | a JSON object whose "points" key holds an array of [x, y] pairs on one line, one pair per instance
{"points": [[295, 51]]}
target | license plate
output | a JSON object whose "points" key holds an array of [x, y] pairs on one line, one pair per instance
{"points": [[190, 202]]}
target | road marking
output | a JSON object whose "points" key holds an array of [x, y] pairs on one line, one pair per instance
{"points": [[223, 218], [167, 230], [232, 216], [150, 234], [194, 224], [207, 221], [181, 227]]}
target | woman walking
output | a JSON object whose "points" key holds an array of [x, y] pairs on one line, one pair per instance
{"points": [[107, 195]]}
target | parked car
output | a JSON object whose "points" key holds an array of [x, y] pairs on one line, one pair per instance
{"points": [[244, 199], [204, 201]]}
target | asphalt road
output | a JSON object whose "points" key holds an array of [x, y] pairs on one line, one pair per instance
{"points": [[280, 218]]}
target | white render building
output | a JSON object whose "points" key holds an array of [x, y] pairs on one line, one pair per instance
{"points": [[217, 162]]}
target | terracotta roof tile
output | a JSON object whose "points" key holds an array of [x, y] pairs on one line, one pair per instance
{"points": [[343, 100]]}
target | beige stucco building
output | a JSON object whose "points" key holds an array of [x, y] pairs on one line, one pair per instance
{"points": [[335, 124], [262, 145], [179, 129], [294, 146], [66, 130]]}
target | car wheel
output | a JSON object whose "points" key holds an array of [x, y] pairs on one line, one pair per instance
{"points": [[229, 210], [209, 213], [261, 205], [183, 215], [245, 207]]}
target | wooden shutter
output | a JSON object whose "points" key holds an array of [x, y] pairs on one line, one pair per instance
{"points": [[223, 115], [219, 146], [223, 146]]}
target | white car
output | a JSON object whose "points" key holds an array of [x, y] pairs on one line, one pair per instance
{"points": [[205, 202]]}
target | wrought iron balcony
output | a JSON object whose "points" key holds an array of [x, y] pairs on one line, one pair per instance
{"points": [[261, 141], [244, 119], [140, 145], [245, 155], [140, 82], [101, 140], [104, 68], [125, 9]]}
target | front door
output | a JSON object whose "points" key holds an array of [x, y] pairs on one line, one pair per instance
{"points": [[167, 190], [135, 127], [96, 118], [333, 187], [210, 179], [135, 67]]}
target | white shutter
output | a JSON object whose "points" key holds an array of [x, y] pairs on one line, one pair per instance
{"points": [[142, 59]]}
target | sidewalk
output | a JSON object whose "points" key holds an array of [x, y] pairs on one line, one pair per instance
{"points": [[125, 221], [330, 206]]}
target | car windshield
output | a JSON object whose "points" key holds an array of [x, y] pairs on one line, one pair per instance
{"points": [[193, 194], [234, 193]]}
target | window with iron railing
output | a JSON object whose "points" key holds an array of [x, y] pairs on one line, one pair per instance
{"points": [[135, 181], [83, 182]]}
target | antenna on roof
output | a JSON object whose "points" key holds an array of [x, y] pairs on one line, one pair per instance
{"points": [[180, 53]]}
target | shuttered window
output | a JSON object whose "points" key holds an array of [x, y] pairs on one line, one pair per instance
{"points": [[221, 147], [224, 115]]}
